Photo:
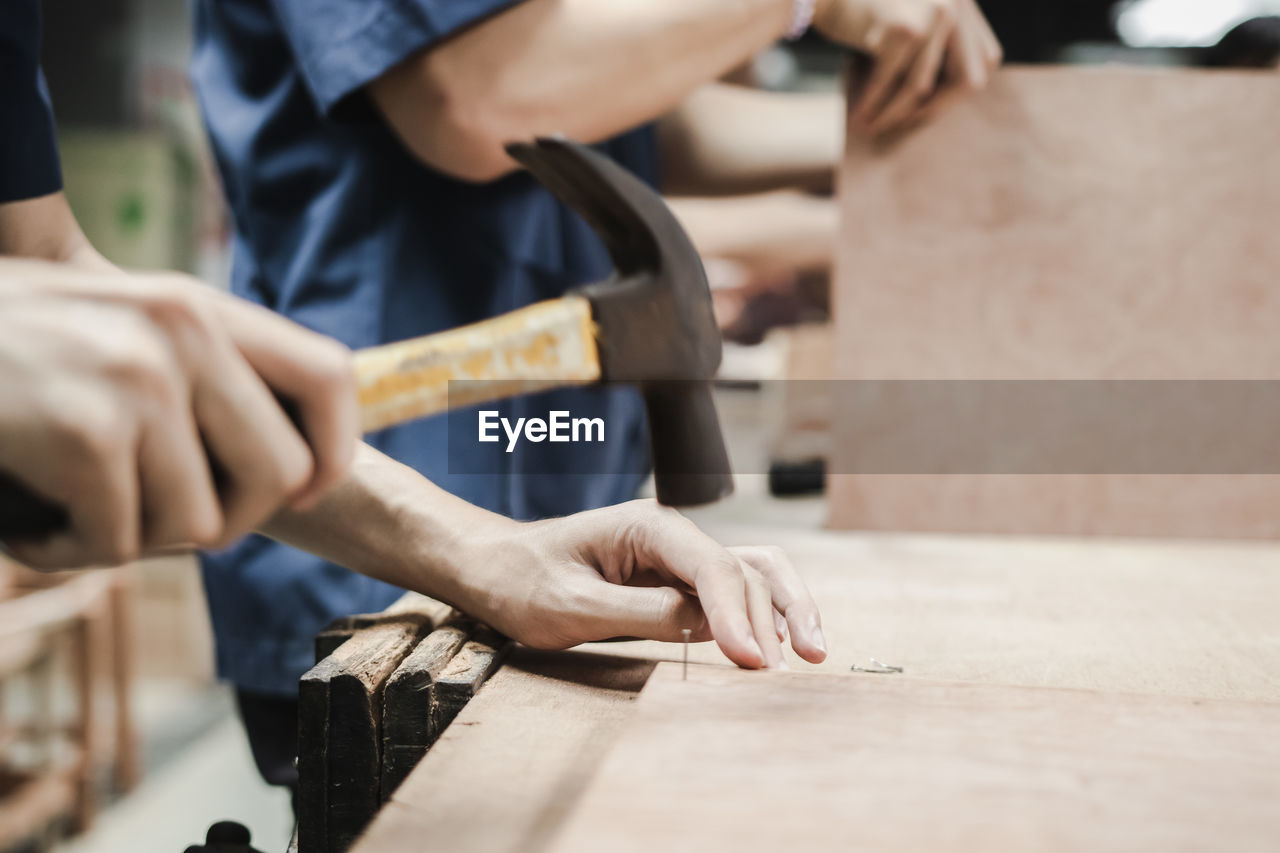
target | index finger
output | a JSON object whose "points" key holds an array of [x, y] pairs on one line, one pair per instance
{"points": [[313, 373], [791, 597], [672, 543], [887, 72]]}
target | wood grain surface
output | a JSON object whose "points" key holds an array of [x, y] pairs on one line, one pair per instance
{"points": [[736, 761], [408, 700], [1066, 223], [505, 773], [1196, 620]]}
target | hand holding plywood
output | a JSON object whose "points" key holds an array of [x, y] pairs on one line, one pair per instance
{"points": [[738, 761]]}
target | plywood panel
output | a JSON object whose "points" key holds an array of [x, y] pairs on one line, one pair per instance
{"points": [[1196, 620], [1191, 618], [503, 775], [743, 762], [1067, 223]]}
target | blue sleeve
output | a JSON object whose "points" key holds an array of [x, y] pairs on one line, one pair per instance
{"points": [[340, 45], [28, 147]]}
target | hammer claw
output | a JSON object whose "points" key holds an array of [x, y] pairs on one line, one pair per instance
{"points": [[655, 316]]}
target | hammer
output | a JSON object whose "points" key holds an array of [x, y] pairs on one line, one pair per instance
{"points": [[649, 324]]}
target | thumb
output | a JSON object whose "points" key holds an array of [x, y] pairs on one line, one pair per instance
{"points": [[648, 613]]}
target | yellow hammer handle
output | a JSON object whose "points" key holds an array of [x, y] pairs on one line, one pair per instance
{"points": [[547, 345]]}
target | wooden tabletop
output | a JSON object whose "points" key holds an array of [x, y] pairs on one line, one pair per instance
{"points": [[1187, 619]]}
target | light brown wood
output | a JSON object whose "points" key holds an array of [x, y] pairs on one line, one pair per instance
{"points": [[126, 760], [49, 618], [799, 408], [545, 345], [409, 698], [744, 762], [1187, 618], [1066, 223], [544, 720], [1192, 619], [27, 807]]}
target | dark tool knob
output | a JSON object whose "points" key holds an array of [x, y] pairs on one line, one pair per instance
{"points": [[25, 516], [225, 837]]}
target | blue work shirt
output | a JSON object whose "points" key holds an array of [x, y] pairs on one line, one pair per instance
{"points": [[28, 147], [338, 227]]}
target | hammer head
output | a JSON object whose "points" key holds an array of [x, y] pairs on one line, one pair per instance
{"points": [[654, 314]]}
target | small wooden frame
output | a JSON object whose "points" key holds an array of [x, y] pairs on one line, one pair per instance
{"points": [[409, 725], [385, 688], [88, 618]]}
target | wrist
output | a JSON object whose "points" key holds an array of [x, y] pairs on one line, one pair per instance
{"points": [[469, 566]]}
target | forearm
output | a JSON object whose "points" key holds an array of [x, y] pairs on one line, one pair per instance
{"points": [[387, 521], [779, 230], [731, 139], [45, 229], [584, 68], [556, 583]]}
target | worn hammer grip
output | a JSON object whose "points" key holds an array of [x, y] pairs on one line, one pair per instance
{"points": [[25, 515], [690, 462]]}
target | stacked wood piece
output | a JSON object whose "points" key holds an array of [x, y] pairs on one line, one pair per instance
{"points": [[383, 689], [63, 632]]}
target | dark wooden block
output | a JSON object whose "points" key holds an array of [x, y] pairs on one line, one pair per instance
{"points": [[479, 657], [339, 725], [338, 632], [407, 730]]}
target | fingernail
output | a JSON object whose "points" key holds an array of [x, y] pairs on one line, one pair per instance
{"points": [[782, 664], [818, 640]]}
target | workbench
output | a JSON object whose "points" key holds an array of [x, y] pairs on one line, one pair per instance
{"points": [[1154, 666], [1191, 619]]}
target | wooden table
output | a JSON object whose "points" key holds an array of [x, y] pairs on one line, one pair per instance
{"points": [[1188, 619]]}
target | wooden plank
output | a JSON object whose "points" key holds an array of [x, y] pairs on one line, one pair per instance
{"points": [[516, 757], [338, 632], [1191, 618], [798, 411], [126, 760], [29, 805], [730, 760], [1066, 223], [49, 607], [464, 675], [339, 725], [343, 628], [409, 698], [1196, 619]]}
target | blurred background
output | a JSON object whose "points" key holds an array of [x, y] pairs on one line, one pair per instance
{"points": [[113, 733]]}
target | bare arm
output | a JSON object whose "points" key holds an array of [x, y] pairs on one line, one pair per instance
{"points": [[779, 230], [731, 139], [584, 68], [631, 570], [592, 69]]}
